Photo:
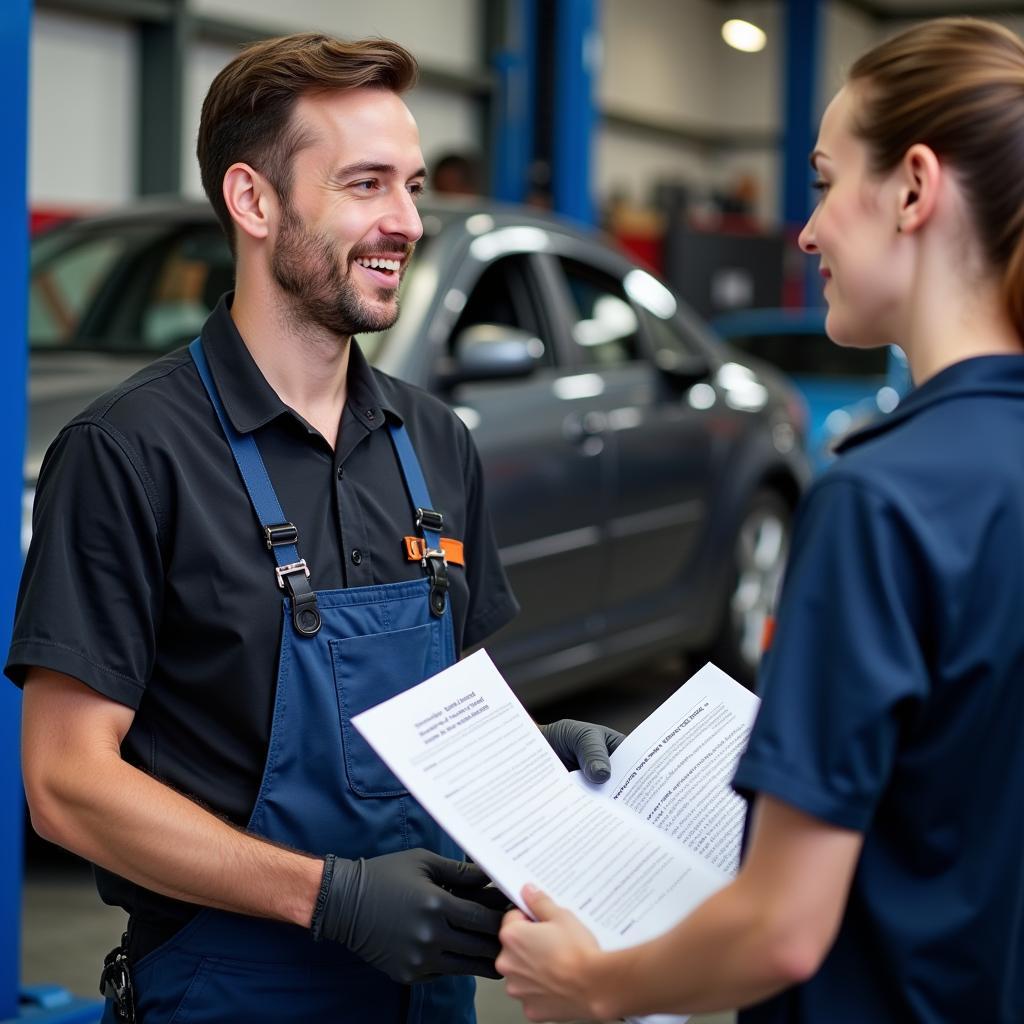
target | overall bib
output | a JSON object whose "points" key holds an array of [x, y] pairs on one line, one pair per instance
{"points": [[323, 789]]}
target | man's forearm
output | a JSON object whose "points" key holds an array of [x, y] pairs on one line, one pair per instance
{"points": [[85, 797], [137, 827]]}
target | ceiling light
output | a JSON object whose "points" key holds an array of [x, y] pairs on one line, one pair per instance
{"points": [[743, 35]]}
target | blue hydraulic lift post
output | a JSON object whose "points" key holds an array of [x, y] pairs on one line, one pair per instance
{"points": [[515, 64], [14, 49], [577, 46], [802, 58]]}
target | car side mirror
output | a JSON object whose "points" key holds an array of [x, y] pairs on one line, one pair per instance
{"points": [[490, 352]]}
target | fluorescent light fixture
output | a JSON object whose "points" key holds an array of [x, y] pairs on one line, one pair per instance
{"points": [[743, 35]]}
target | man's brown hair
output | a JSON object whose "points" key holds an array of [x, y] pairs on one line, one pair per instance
{"points": [[247, 114]]}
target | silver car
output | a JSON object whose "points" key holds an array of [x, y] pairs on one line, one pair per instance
{"points": [[641, 475]]}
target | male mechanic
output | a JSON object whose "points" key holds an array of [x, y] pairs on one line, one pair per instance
{"points": [[238, 550]]}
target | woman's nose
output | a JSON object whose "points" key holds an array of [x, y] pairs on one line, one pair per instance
{"points": [[806, 237]]}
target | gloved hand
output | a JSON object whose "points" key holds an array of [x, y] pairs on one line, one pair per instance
{"points": [[412, 914], [583, 745]]}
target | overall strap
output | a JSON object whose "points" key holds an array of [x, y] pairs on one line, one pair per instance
{"points": [[428, 521], [281, 536]]}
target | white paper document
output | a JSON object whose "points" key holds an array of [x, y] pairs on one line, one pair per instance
{"points": [[631, 857]]}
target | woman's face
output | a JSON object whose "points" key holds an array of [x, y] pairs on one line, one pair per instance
{"points": [[853, 232]]}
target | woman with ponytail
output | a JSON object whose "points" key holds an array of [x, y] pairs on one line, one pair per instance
{"points": [[883, 879]]}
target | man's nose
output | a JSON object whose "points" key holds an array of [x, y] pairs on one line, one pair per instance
{"points": [[402, 217]]}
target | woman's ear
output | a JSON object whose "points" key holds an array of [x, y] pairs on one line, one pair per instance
{"points": [[920, 178], [250, 200]]}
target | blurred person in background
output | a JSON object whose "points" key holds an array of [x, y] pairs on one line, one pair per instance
{"points": [[238, 550], [883, 879], [456, 174]]}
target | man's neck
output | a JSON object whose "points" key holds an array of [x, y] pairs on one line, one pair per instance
{"points": [[306, 365]]}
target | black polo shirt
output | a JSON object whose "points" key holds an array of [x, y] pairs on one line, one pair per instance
{"points": [[149, 580]]}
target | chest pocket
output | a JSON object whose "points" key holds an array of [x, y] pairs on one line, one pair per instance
{"points": [[369, 670]]}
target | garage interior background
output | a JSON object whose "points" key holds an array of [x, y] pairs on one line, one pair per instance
{"points": [[631, 113], [670, 119]]}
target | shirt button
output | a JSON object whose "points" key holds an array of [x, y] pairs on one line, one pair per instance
{"points": [[370, 414], [357, 556], [341, 472]]}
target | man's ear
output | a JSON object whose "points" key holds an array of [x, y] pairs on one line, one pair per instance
{"points": [[921, 176], [250, 200]]}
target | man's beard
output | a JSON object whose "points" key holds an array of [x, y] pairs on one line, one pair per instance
{"points": [[306, 266]]}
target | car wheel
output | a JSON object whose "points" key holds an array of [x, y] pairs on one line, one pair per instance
{"points": [[759, 560]]}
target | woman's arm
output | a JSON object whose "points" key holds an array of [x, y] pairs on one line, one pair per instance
{"points": [[769, 929]]}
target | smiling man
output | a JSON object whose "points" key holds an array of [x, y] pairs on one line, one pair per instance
{"points": [[220, 578]]}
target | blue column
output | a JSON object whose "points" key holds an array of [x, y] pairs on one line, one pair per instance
{"points": [[515, 65], [577, 47], [14, 49], [801, 61]]}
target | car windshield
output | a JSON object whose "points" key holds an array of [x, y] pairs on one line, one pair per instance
{"points": [[70, 267], [813, 355]]}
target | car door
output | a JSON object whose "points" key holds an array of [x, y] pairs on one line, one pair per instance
{"points": [[657, 444], [544, 481]]}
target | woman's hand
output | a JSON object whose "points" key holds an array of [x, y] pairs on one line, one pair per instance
{"points": [[549, 964]]}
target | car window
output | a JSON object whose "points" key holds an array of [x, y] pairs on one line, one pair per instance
{"points": [[605, 325], [813, 355], [68, 270], [195, 272], [669, 341], [503, 295]]}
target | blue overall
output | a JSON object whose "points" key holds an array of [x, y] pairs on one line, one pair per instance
{"points": [[323, 791]]}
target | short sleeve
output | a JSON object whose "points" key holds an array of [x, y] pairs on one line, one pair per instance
{"points": [[90, 594], [846, 672], [491, 601]]}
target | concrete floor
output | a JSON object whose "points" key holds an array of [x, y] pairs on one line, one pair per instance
{"points": [[67, 930]]}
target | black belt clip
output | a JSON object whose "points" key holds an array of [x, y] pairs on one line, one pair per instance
{"points": [[116, 982], [295, 579], [437, 571], [434, 560]]}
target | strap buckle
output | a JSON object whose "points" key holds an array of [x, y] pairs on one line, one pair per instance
{"points": [[433, 553], [427, 518], [280, 533], [286, 570]]}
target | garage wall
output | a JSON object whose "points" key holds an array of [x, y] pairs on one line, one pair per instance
{"points": [[663, 61], [82, 111], [85, 70], [444, 33], [666, 59]]}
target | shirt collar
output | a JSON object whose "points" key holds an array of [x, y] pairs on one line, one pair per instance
{"points": [[979, 375], [249, 399]]}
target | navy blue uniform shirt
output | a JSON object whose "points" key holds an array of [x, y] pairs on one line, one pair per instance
{"points": [[148, 577], [893, 704]]}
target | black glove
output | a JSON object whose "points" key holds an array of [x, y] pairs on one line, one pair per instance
{"points": [[412, 914], [582, 745]]}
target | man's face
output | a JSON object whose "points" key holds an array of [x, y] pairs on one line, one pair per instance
{"points": [[350, 223]]}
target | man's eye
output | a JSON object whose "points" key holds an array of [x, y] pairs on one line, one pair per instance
{"points": [[820, 186], [365, 186], [416, 189]]}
